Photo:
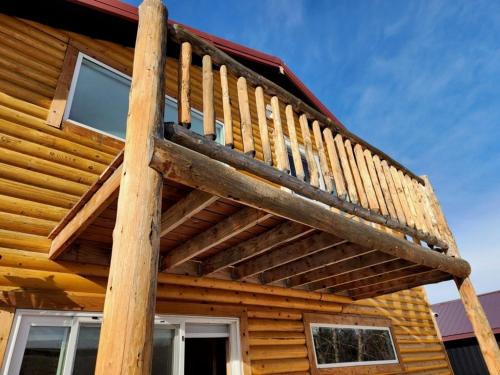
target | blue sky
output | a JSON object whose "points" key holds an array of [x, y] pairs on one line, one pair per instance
{"points": [[418, 79]]}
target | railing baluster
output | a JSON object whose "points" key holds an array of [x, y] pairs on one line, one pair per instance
{"points": [[184, 85], [226, 108], [385, 188], [297, 159], [349, 179], [365, 177], [355, 172], [208, 98], [394, 193], [418, 210], [427, 218], [323, 161], [375, 181], [245, 118], [335, 164], [308, 148], [401, 195], [278, 137], [263, 129], [409, 199]]}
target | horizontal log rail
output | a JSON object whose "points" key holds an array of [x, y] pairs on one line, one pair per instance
{"points": [[314, 155], [193, 141], [188, 167]]}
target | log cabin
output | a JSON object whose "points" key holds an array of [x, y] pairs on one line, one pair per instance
{"points": [[174, 203]]}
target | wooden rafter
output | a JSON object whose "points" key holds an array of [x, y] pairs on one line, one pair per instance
{"points": [[185, 209], [334, 282], [225, 229], [384, 277], [312, 244], [282, 233], [347, 265], [425, 277], [86, 214], [312, 262]]}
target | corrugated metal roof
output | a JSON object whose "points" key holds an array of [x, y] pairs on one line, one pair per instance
{"points": [[453, 322]]}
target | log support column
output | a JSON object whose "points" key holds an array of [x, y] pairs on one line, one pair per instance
{"points": [[125, 345], [472, 305]]}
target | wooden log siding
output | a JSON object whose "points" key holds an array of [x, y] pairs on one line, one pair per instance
{"points": [[275, 332]]}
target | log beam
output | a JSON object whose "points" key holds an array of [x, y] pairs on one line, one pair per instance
{"points": [[196, 170], [243, 162], [472, 305], [125, 344]]}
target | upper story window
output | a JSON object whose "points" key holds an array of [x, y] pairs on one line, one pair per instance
{"points": [[99, 96], [349, 345]]}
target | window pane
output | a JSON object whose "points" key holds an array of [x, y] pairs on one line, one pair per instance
{"points": [[45, 350], [346, 345], [86, 350], [163, 348], [101, 99]]}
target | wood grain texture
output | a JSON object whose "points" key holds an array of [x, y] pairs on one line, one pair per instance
{"points": [[138, 224]]}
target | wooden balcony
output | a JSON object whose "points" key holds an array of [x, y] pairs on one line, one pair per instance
{"points": [[290, 198]]}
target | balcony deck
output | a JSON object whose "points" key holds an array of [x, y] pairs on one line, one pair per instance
{"points": [[239, 227]]}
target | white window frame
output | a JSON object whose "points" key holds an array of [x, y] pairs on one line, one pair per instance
{"points": [[351, 364], [24, 319], [72, 89]]}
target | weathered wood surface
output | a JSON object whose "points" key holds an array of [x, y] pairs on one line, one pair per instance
{"points": [[131, 292], [473, 308], [193, 169], [184, 90], [225, 229], [237, 160]]}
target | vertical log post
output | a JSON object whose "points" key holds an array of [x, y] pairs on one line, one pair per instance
{"points": [[125, 345], [184, 83], [472, 305]]}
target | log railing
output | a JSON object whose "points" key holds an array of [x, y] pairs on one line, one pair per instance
{"points": [[292, 144]]}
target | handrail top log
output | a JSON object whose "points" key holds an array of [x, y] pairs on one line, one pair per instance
{"points": [[180, 34], [193, 141]]}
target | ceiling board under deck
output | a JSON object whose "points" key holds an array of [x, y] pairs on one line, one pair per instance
{"points": [[340, 268]]}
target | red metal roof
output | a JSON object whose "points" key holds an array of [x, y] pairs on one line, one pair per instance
{"points": [[453, 322], [129, 12]]}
